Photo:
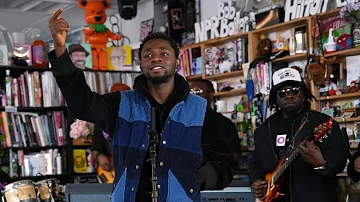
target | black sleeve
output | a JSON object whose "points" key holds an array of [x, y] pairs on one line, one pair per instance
{"points": [[98, 141], [83, 103], [218, 168], [255, 168], [231, 135], [334, 150], [355, 176]]}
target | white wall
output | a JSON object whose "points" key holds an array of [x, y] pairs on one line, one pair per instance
{"points": [[131, 28]]}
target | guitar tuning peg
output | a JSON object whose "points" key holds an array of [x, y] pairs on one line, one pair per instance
{"points": [[325, 136], [321, 140]]}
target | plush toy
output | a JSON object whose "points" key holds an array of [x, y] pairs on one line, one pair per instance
{"points": [[265, 45], [353, 87], [97, 34], [320, 70]]}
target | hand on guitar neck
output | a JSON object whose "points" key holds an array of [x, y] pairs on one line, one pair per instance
{"points": [[104, 162], [105, 171]]}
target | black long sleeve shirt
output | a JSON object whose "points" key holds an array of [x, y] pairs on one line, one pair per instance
{"points": [[217, 168]]}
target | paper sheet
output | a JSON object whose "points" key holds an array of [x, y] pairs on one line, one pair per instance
{"points": [[352, 69]]}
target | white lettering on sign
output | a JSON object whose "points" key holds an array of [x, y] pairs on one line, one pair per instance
{"points": [[226, 23], [302, 8]]}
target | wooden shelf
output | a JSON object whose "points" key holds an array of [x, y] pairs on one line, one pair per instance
{"points": [[343, 96], [32, 109], [225, 75], [234, 92], [344, 53], [23, 68], [111, 71], [346, 120], [329, 14], [190, 46], [38, 177], [193, 77], [222, 40], [291, 58], [34, 148], [300, 22], [342, 175]]}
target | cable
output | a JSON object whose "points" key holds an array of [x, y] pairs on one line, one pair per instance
{"points": [[115, 28]]}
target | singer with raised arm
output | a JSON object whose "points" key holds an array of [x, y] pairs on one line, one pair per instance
{"points": [[187, 157]]}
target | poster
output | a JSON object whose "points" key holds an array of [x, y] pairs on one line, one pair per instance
{"points": [[4, 60], [119, 58], [80, 55], [146, 28]]}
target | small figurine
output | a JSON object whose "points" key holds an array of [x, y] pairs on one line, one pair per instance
{"points": [[265, 45], [353, 87], [97, 34]]}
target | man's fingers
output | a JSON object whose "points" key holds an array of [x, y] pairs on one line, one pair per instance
{"points": [[57, 14]]}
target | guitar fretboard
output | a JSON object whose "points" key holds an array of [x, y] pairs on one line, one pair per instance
{"points": [[285, 165]]}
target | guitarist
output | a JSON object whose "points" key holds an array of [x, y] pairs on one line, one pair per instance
{"points": [[100, 147], [312, 176]]}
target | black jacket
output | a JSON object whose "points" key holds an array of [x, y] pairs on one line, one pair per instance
{"points": [[217, 169], [99, 143], [305, 183], [350, 168]]}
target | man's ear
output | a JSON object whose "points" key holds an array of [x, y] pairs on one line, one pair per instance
{"points": [[141, 67], [178, 62]]}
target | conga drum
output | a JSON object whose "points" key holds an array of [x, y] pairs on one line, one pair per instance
{"points": [[21, 191], [48, 188]]}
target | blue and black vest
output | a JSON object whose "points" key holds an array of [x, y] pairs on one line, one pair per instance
{"points": [[180, 152]]}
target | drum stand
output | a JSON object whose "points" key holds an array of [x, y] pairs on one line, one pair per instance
{"points": [[153, 143]]}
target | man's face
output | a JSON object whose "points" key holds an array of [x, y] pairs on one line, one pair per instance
{"points": [[290, 98], [205, 93], [158, 61], [79, 59], [117, 57]]}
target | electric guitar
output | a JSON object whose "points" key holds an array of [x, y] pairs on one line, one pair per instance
{"points": [[275, 179], [104, 176]]}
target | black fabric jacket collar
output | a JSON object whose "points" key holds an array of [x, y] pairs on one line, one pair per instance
{"points": [[180, 93]]}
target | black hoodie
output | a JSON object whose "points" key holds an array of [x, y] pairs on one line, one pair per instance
{"points": [[217, 169]]}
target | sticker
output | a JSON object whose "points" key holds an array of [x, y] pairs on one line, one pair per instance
{"points": [[280, 140]]}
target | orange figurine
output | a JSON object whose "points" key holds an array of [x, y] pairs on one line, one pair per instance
{"points": [[97, 34]]}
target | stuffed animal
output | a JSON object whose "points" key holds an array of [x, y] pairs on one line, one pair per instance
{"points": [[97, 34], [353, 87], [320, 70]]}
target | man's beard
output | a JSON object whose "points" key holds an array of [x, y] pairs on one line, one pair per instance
{"points": [[159, 79], [80, 64]]}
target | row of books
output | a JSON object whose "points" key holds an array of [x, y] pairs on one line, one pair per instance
{"points": [[47, 162], [101, 82], [25, 129], [226, 58], [32, 89]]}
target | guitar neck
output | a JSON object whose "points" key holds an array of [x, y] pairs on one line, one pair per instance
{"points": [[285, 165]]}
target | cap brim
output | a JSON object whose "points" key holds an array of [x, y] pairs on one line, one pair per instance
{"points": [[275, 88]]}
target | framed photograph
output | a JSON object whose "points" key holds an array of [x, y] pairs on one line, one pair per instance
{"points": [[177, 18]]}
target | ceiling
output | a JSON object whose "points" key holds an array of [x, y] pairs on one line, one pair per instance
{"points": [[18, 15]]}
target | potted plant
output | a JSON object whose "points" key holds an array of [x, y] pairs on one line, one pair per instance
{"points": [[351, 13]]}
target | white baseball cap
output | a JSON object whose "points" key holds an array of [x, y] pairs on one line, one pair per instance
{"points": [[286, 75]]}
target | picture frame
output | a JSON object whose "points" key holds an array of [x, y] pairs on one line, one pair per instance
{"points": [[177, 18]]}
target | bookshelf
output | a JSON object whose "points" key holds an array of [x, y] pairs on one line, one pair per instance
{"points": [[253, 42], [35, 123]]}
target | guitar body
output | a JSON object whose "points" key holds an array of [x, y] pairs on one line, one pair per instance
{"points": [[104, 176], [273, 188]]}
